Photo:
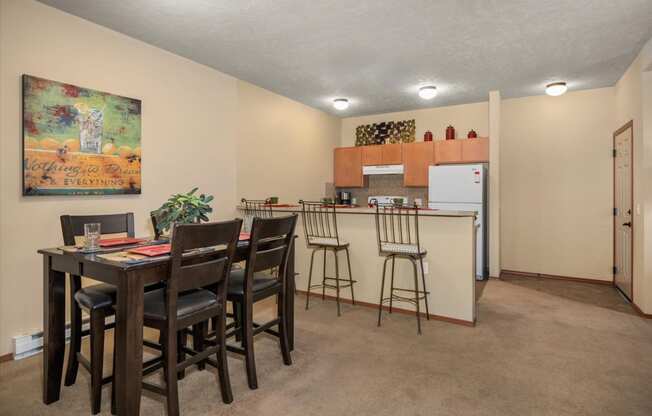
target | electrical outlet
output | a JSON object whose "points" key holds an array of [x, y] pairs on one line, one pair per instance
{"points": [[425, 267]]}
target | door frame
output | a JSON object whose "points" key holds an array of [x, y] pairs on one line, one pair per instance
{"points": [[628, 125]]}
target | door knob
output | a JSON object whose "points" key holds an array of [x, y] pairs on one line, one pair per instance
{"points": [[627, 224]]}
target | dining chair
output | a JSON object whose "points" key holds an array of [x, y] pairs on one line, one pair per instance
{"points": [[251, 284], [201, 256], [320, 228], [397, 232], [96, 300]]}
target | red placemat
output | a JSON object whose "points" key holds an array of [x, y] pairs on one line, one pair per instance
{"points": [[152, 251], [120, 241]]}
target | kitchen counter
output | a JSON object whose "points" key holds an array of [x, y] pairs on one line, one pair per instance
{"points": [[449, 238], [370, 211]]}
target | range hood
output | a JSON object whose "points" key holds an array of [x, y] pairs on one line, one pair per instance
{"points": [[383, 170]]}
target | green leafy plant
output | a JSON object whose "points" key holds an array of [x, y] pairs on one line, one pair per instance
{"points": [[183, 209]]}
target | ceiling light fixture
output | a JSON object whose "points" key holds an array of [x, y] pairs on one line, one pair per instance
{"points": [[556, 88], [341, 103], [428, 92]]}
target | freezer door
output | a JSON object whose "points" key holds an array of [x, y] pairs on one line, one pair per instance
{"points": [[456, 183]]}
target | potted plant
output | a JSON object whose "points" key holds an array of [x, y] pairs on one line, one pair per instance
{"points": [[183, 209]]}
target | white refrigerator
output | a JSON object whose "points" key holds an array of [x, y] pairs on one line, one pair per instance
{"points": [[463, 187]]}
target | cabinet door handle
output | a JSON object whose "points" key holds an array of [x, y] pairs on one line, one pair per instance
{"points": [[627, 224]]}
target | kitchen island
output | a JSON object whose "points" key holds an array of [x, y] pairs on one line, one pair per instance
{"points": [[449, 238]]}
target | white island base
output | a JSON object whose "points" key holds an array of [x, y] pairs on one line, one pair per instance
{"points": [[449, 238]]}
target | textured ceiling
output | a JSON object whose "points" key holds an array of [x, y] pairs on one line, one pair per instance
{"points": [[378, 52]]}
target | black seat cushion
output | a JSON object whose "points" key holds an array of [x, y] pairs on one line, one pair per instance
{"points": [[187, 303], [261, 282], [102, 295], [96, 296]]}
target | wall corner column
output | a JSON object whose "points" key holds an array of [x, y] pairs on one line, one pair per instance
{"points": [[494, 183]]}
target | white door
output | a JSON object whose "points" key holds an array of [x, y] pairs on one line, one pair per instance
{"points": [[623, 209]]}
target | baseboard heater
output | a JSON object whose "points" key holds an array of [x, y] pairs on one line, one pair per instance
{"points": [[31, 344]]}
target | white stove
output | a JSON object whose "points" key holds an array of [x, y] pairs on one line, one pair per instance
{"points": [[383, 199]]}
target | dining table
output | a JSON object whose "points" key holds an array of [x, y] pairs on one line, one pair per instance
{"points": [[130, 278]]}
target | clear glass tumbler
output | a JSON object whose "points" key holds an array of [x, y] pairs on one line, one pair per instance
{"points": [[92, 235]]}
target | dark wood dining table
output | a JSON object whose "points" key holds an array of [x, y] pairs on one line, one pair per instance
{"points": [[130, 280]]}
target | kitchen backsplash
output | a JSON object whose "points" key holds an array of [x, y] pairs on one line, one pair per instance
{"points": [[389, 185]]}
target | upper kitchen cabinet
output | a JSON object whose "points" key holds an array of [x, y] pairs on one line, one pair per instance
{"points": [[448, 151], [348, 167], [392, 154], [417, 158], [475, 150], [384, 154], [372, 155], [462, 151]]}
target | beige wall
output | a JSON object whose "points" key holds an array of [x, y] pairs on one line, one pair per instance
{"points": [[190, 137], [285, 148], [556, 184], [633, 101], [463, 117]]}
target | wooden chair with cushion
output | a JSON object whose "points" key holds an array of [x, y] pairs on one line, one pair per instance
{"points": [[252, 285], [96, 300], [201, 257]]}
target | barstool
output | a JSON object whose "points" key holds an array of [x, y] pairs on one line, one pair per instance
{"points": [[255, 208], [320, 227], [397, 229]]}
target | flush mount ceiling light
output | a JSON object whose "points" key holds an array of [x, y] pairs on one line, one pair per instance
{"points": [[341, 103], [428, 92], [556, 88]]}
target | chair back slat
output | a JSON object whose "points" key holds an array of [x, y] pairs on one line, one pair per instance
{"points": [[201, 274], [319, 221], [267, 259], [73, 225], [269, 247], [397, 224]]}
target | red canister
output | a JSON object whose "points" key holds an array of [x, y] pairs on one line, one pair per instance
{"points": [[427, 136], [472, 134], [450, 133]]}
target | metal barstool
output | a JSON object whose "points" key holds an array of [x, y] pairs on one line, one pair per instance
{"points": [[397, 228], [255, 208], [320, 227]]}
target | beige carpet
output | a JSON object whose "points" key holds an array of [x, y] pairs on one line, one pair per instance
{"points": [[540, 348]]}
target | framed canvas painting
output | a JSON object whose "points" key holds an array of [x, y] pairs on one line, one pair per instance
{"points": [[78, 141]]}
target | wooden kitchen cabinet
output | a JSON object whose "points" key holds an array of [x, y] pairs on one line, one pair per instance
{"points": [[348, 167], [417, 158], [372, 155], [382, 154], [392, 154], [475, 150], [448, 151]]}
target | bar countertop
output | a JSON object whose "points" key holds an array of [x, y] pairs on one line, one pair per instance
{"points": [[370, 211]]}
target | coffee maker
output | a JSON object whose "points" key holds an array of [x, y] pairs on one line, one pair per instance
{"points": [[344, 198]]}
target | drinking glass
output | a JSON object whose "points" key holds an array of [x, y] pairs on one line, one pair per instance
{"points": [[92, 236]]}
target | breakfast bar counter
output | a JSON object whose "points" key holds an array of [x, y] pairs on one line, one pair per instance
{"points": [[448, 237]]}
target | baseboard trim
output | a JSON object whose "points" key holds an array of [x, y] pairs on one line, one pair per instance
{"points": [[6, 357], [394, 309], [556, 277], [640, 312]]}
